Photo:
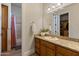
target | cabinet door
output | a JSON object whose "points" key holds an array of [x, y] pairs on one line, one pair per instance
{"points": [[50, 45], [37, 43], [37, 46], [59, 54], [50, 52], [37, 51], [65, 52], [43, 50]]}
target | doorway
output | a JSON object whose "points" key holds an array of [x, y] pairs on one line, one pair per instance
{"points": [[64, 24], [4, 27], [16, 17], [16, 10]]}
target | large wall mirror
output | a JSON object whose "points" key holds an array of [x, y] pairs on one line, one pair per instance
{"points": [[61, 24], [65, 21]]}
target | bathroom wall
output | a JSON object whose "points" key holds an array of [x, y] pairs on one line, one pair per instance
{"points": [[47, 17], [36, 12], [17, 12], [30, 12], [73, 11]]}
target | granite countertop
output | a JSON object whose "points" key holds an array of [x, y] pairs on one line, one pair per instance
{"points": [[65, 43]]}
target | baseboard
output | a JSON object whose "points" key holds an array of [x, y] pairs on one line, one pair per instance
{"points": [[28, 53]]}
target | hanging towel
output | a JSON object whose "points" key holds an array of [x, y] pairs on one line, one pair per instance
{"points": [[33, 28], [13, 36]]}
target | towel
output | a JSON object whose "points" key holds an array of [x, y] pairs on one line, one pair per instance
{"points": [[34, 28]]}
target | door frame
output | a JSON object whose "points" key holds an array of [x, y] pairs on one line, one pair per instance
{"points": [[68, 22]]}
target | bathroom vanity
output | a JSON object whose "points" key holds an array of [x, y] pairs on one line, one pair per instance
{"points": [[54, 46]]}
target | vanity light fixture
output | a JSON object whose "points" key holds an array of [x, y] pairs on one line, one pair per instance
{"points": [[58, 6]]}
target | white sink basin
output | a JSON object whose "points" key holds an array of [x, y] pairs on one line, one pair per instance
{"points": [[51, 38]]}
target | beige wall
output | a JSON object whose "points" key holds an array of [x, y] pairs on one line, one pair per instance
{"points": [[47, 17], [30, 12], [38, 14]]}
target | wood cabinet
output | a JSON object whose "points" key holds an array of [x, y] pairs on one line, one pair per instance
{"points": [[42, 50], [45, 48], [65, 52], [50, 52], [37, 46], [50, 49], [50, 45]]}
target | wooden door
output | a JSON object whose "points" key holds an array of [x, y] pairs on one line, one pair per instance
{"points": [[4, 27], [64, 24]]}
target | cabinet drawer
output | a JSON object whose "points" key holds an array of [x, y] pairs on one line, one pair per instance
{"points": [[50, 52], [65, 52], [50, 45]]}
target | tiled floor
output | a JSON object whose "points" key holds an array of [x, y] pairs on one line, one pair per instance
{"points": [[12, 53], [34, 54], [15, 53]]}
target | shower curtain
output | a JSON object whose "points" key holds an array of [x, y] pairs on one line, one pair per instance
{"points": [[13, 34]]}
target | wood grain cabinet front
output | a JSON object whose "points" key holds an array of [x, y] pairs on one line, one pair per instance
{"points": [[61, 51], [37, 46], [42, 50], [45, 48], [50, 45], [50, 52], [50, 49]]}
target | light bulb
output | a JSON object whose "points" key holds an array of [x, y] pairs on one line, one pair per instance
{"points": [[53, 6], [48, 9], [59, 4]]}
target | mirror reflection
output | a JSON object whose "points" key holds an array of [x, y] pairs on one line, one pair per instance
{"points": [[64, 20]]}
